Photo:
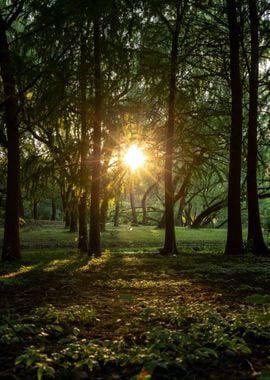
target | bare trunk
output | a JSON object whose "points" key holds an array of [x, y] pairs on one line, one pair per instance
{"points": [[116, 212], [256, 242], [35, 209], [11, 244], [234, 244], [53, 216], [143, 203], [103, 213], [73, 227], [94, 235], [134, 220], [169, 247], [82, 238], [207, 215]]}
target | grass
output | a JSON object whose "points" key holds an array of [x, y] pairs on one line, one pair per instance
{"points": [[136, 316], [122, 237], [47, 235]]}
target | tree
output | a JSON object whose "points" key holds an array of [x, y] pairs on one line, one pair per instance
{"points": [[234, 243], [84, 146], [255, 239], [94, 234], [170, 247], [11, 244]]}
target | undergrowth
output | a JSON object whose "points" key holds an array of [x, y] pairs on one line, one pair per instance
{"points": [[176, 341], [135, 316]]}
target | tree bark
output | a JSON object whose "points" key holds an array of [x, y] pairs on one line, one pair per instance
{"points": [[94, 235], [53, 216], [234, 243], [143, 203], [21, 207], [170, 247], [116, 211], [11, 244], [255, 241], [205, 214], [82, 238], [65, 196], [134, 220], [73, 227], [35, 209], [104, 212]]}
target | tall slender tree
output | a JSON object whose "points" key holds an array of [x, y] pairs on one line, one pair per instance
{"points": [[82, 239], [170, 240], [234, 243], [256, 242], [11, 244], [94, 234]]}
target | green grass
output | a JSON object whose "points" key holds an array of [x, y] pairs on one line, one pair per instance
{"points": [[147, 233], [125, 236]]}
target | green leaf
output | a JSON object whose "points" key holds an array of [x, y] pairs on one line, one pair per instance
{"points": [[126, 297], [40, 373], [258, 299], [264, 376]]}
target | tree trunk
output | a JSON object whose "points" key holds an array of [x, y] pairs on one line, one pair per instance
{"points": [[143, 203], [67, 218], [180, 214], [234, 244], [169, 247], [206, 214], [104, 212], [116, 212], [53, 216], [255, 241], [11, 244], [73, 227], [161, 223], [65, 196], [35, 209], [82, 238], [188, 216], [134, 220], [21, 208], [94, 235]]}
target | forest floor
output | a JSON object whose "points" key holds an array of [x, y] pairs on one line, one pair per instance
{"points": [[134, 315]]}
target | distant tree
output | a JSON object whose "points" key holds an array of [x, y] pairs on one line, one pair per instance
{"points": [[234, 243], [53, 213], [146, 194]]}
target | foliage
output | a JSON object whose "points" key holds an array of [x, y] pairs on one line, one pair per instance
{"points": [[136, 316]]}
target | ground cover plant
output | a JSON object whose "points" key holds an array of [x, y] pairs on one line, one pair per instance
{"points": [[133, 314]]}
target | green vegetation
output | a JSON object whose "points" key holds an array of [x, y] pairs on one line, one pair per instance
{"points": [[126, 315], [53, 234]]}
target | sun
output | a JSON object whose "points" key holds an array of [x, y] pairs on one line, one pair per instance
{"points": [[134, 157]]}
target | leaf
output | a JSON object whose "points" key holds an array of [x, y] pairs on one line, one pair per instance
{"points": [[258, 299], [126, 297], [264, 376], [40, 373]]}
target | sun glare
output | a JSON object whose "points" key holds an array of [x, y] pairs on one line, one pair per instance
{"points": [[134, 157]]}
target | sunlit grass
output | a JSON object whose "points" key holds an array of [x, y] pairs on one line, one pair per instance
{"points": [[56, 265], [147, 284], [131, 238]]}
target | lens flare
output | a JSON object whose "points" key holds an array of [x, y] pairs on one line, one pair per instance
{"points": [[134, 157]]}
